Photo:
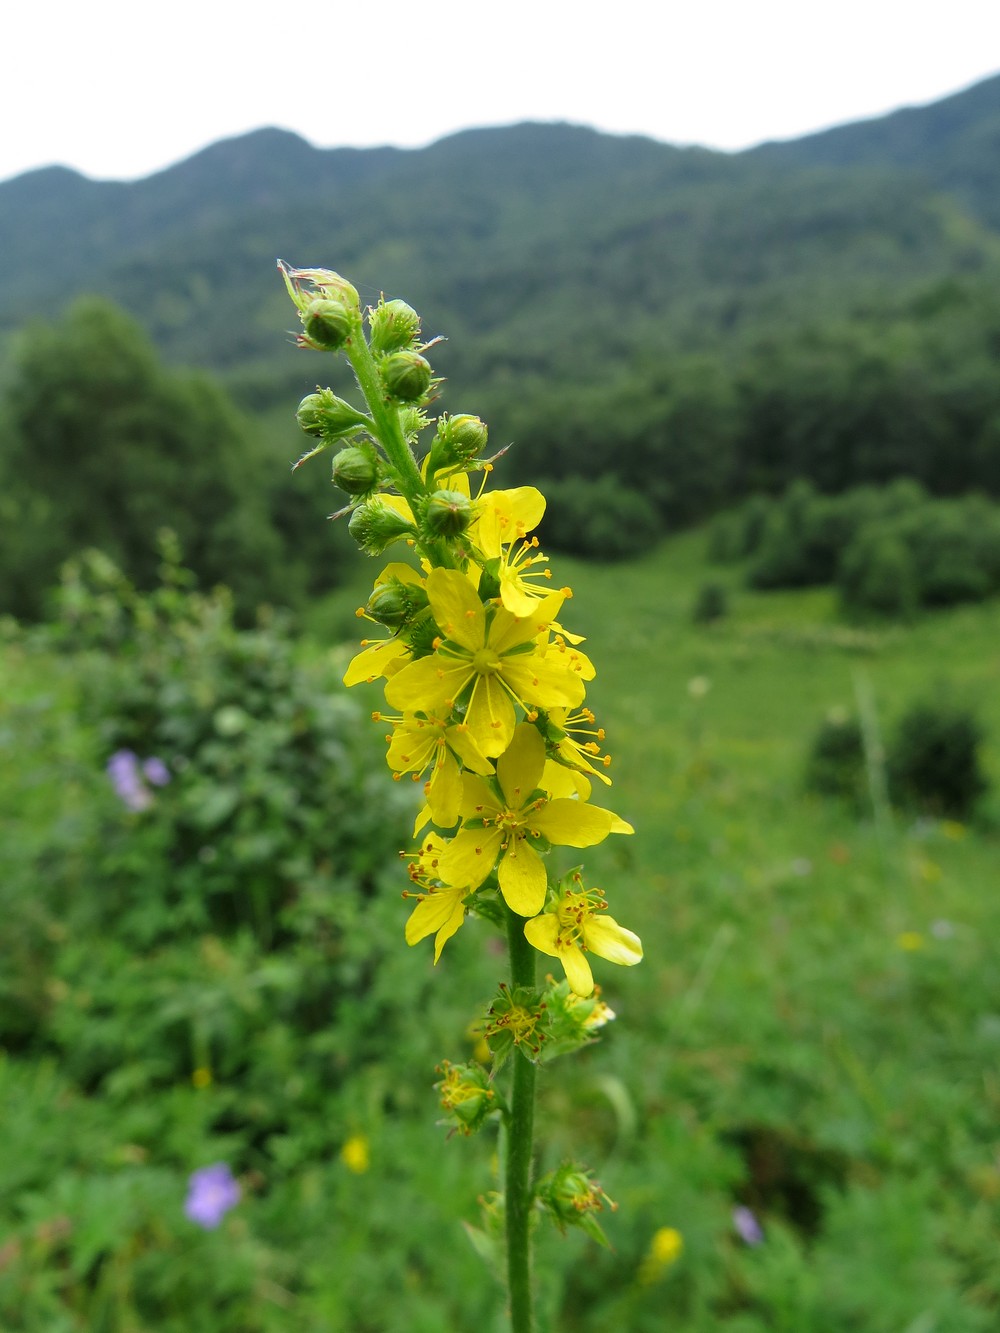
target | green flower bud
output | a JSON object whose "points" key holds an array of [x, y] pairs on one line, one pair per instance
{"points": [[324, 414], [305, 284], [466, 1096], [571, 1196], [374, 526], [394, 325], [328, 324], [462, 437], [356, 470], [447, 514], [394, 602], [406, 376]]}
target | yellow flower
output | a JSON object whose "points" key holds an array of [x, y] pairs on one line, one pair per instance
{"points": [[355, 1154], [910, 941], [440, 912], [577, 924], [504, 519], [504, 826], [419, 743], [665, 1249], [567, 732], [440, 909], [486, 659]]}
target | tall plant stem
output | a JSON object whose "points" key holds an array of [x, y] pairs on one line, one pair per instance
{"points": [[520, 1127]]}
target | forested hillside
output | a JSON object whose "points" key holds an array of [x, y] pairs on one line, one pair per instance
{"points": [[617, 307]]}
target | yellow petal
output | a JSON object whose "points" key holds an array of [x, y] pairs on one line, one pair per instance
{"points": [[571, 823], [539, 681], [490, 715], [522, 878], [520, 767], [397, 570], [444, 791], [374, 660], [470, 856], [457, 608], [605, 937], [542, 932], [562, 781], [578, 972], [429, 684], [461, 741], [509, 631], [440, 913], [411, 747]]}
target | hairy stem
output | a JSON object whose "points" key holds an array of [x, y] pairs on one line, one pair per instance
{"points": [[520, 1125]]}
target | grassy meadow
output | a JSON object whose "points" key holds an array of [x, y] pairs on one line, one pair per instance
{"points": [[813, 1033]]}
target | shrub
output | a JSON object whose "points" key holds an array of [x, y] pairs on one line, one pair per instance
{"points": [[934, 759], [711, 603], [598, 519], [836, 761], [877, 575]]}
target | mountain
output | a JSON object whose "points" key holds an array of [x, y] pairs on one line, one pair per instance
{"points": [[563, 249], [953, 145]]}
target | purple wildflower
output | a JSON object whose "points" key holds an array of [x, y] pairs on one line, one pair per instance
{"points": [[212, 1191], [156, 771], [126, 778], [746, 1225]]}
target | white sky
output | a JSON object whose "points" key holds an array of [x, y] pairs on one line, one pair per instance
{"points": [[121, 88]]}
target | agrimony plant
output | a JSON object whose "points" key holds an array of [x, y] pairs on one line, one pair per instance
{"points": [[485, 691]]}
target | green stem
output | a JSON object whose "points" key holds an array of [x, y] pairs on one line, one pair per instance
{"points": [[398, 452], [520, 1124], [385, 417]]}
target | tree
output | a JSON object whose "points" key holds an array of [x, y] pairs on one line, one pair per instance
{"points": [[103, 447]]}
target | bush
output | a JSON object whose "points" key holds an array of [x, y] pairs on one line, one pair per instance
{"points": [[836, 761], [934, 759], [598, 519], [711, 603], [877, 576]]}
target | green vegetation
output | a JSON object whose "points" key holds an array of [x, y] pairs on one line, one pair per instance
{"points": [[807, 1036]]}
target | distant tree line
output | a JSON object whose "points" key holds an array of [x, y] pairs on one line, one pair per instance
{"points": [[101, 445]]}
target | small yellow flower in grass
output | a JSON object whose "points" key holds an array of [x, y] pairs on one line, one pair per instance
{"points": [[202, 1077], [356, 1154], [487, 658], [910, 941], [665, 1249], [503, 827], [576, 925]]}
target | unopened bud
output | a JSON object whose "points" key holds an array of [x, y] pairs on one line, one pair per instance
{"points": [[327, 323], [463, 437], [355, 469], [406, 376], [394, 602], [375, 526], [394, 325], [324, 414], [447, 514]]}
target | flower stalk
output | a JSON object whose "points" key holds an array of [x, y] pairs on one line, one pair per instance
{"points": [[486, 689]]}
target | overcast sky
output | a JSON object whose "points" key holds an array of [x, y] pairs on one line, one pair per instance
{"points": [[118, 88]]}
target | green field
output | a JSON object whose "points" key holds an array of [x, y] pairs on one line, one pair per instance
{"points": [[813, 1032]]}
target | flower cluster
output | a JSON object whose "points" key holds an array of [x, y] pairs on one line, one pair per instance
{"points": [[484, 684], [130, 776]]}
